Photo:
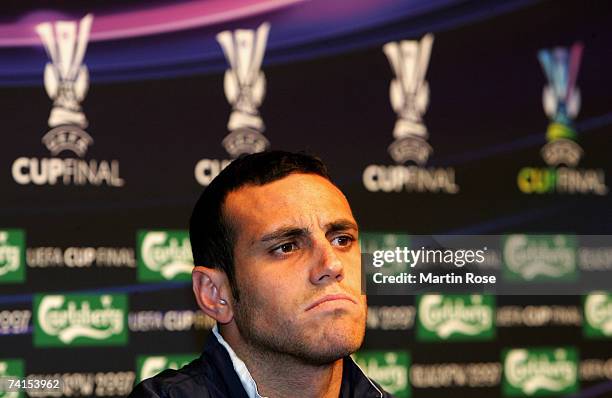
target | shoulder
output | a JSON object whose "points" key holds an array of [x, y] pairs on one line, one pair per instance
{"points": [[188, 381]]}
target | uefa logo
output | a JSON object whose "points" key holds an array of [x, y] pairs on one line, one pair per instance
{"points": [[409, 96], [66, 81], [561, 99], [244, 85]]}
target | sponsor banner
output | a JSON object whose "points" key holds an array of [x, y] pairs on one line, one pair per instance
{"points": [[535, 372], [595, 258], [90, 384], [80, 257], [455, 317], [150, 365], [169, 321], [597, 315], [11, 368], [596, 369], [164, 255], [594, 252], [539, 257], [63, 320], [12, 256], [450, 375], [390, 317], [535, 316], [387, 368], [15, 321], [516, 264]]}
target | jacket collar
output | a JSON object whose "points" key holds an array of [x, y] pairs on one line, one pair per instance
{"points": [[240, 368], [354, 382], [220, 362]]}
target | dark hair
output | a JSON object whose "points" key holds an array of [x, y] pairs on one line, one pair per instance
{"points": [[211, 234]]}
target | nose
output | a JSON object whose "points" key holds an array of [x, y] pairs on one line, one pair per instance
{"points": [[327, 266]]}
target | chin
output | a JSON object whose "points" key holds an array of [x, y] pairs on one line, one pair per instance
{"points": [[336, 341], [328, 352]]}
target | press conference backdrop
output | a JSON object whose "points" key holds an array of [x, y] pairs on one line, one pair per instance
{"points": [[435, 117]]}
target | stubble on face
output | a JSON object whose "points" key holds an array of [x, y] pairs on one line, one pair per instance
{"points": [[319, 346]]}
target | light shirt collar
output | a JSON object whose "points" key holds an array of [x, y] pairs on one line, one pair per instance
{"points": [[245, 377], [241, 370]]}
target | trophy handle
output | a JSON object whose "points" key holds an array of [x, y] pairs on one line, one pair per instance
{"points": [[259, 89], [573, 103], [51, 80], [397, 96], [230, 85], [549, 101], [421, 100], [81, 83]]}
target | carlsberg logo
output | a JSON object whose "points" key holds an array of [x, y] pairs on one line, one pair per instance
{"points": [[79, 319], [387, 368], [12, 256], [14, 369], [164, 255], [539, 257], [149, 366], [598, 315], [455, 317], [540, 372]]}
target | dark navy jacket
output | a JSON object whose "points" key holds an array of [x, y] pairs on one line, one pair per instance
{"points": [[213, 376]]}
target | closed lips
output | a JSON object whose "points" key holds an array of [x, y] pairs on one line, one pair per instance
{"points": [[330, 297]]}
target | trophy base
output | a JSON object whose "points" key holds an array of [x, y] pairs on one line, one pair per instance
{"points": [[61, 116], [406, 127], [561, 151], [557, 130], [67, 138], [243, 141], [413, 149]]}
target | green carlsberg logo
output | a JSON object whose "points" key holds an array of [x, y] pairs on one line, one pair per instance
{"points": [[10, 369], [540, 372], [80, 319], [539, 257], [164, 255], [149, 366], [387, 368], [598, 315], [12, 255], [455, 317]]}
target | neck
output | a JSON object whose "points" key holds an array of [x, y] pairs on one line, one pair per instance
{"points": [[280, 375]]}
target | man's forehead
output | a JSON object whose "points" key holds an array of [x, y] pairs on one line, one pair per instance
{"points": [[291, 201]]}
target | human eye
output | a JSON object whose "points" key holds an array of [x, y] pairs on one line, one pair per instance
{"points": [[343, 240], [284, 248]]}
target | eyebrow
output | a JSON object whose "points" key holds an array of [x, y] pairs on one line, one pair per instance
{"points": [[293, 232], [341, 225], [285, 233]]}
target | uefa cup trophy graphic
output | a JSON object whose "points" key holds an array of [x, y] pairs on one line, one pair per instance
{"points": [[66, 82], [244, 84], [561, 100], [409, 93]]}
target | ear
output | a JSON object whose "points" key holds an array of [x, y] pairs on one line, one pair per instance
{"points": [[213, 294]]}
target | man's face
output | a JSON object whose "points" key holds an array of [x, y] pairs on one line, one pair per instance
{"points": [[297, 263]]}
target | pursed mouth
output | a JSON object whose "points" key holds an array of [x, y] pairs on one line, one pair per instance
{"points": [[330, 297]]}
